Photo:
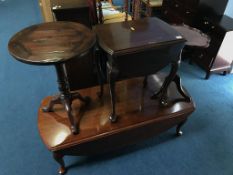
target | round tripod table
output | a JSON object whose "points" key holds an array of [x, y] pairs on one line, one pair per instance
{"points": [[54, 43]]}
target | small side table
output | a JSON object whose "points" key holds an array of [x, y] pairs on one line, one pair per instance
{"points": [[54, 43], [140, 48]]}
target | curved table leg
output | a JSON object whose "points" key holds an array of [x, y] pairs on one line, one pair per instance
{"points": [[67, 104], [178, 128], [65, 97], [112, 74], [78, 96], [177, 81], [59, 159], [162, 93], [55, 100], [100, 73], [111, 80]]}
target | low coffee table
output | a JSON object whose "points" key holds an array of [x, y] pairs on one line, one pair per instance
{"points": [[55, 44], [139, 118]]}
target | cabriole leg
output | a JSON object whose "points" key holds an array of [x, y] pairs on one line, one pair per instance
{"points": [[59, 159], [112, 74], [178, 128]]}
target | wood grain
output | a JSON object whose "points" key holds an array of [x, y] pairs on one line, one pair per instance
{"points": [[139, 117], [50, 43]]}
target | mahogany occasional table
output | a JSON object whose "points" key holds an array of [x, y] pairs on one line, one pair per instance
{"points": [[55, 44], [139, 118], [140, 48]]}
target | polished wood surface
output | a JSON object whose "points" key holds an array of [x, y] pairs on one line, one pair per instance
{"points": [[135, 36], [147, 45], [55, 43], [138, 117], [50, 43]]}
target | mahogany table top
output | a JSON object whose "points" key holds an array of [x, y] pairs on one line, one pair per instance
{"points": [[134, 108], [51, 43], [136, 35]]}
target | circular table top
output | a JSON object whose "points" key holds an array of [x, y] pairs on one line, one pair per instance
{"points": [[193, 36], [51, 43]]}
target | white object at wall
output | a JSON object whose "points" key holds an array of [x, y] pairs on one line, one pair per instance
{"points": [[226, 49]]}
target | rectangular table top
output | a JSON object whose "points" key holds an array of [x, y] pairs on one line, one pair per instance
{"points": [[136, 35]]}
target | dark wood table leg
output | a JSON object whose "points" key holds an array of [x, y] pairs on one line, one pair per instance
{"points": [[100, 72], [112, 74], [65, 97], [162, 93], [55, 100], [78, 96], [59, 159], [207, 76], [180, 89], [145, 81], [178, 128]]}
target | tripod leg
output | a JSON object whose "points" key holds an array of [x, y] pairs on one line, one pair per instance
{"points": [[112, 74], [55, 100], [77, 95], [67, 104], [177, 81], [113, 116], [162, 93]]}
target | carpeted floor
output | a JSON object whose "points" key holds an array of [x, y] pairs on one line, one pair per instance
{"points": [[205, 148]]}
